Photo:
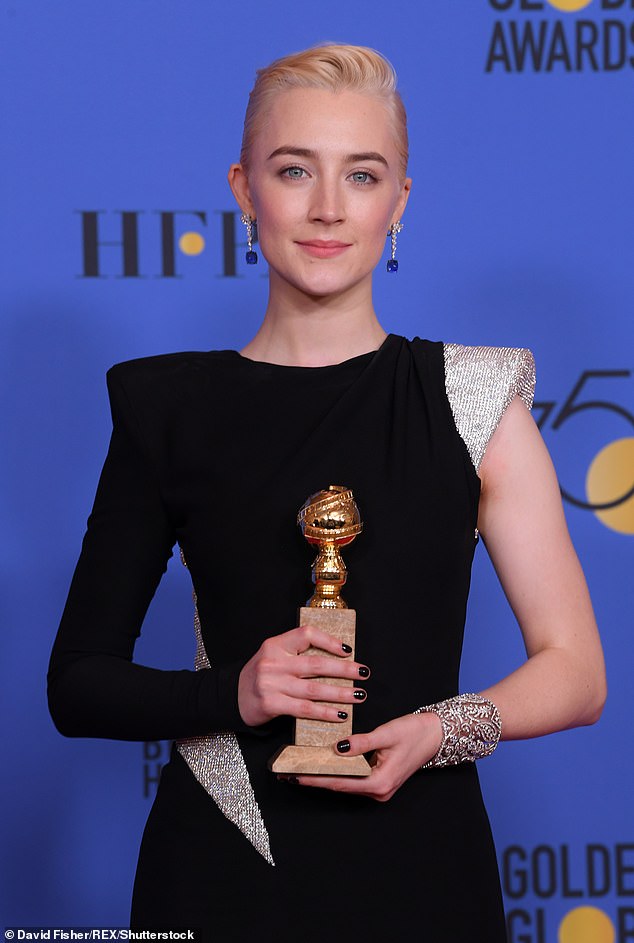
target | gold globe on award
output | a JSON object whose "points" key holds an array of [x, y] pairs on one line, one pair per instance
{"points": [[330, 520]]}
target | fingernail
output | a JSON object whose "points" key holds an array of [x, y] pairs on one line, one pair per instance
{"points": [[364, 672], [343, 746], [342, 715], [293, 780], [360, 695], [346, 648]]}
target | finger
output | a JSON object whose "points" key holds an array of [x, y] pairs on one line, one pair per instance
{"points": [[359, 743], [354, 785], [381, 783], [304, 709], [375, 786], [323, 666], [322, 691], [302, 638]]}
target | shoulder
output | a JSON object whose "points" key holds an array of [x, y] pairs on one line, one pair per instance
{"points": [[480, 383], [166, 374], [150, 369], [503, 369], [150, 391]]}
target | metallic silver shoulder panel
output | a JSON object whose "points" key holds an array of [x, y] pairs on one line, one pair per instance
{"points": [[480, 383], [217, 763]]}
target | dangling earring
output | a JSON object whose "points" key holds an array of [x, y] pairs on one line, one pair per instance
{"points": [[394, 230], [251, 255]]}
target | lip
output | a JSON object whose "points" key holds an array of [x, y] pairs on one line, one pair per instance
{"points": [[324, 248]]}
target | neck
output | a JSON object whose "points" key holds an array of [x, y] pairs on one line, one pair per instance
{"points": [[308, 331]]}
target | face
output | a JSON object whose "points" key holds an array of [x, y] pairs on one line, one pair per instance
{"points": [[324, 187]]}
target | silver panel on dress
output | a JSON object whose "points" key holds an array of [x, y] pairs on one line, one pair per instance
{"points": [[481, 382], [217, 762]]}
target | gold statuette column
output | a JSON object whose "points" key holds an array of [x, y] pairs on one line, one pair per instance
{"points": [[330, 520]]}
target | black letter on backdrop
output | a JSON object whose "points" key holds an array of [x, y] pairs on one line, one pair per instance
{"points": [[566, 889], [558, 48], [151, 749], [622, 869], [549, 886], [626, 930], [149, 779], [598, 866], [167, 238], [515, 878], [587, 45], [613, 64], [129, 242], [522, 917], [498, 54], [524, 40], [229, 244]]}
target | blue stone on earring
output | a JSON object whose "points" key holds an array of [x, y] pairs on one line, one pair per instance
{"points": [[393, 231], [251, 255]]}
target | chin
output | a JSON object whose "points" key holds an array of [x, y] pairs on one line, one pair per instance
{"points": [[321, 279], [326, 290], [324, 283]]}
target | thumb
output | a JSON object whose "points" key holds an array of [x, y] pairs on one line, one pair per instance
{"points": [[360, 743]]}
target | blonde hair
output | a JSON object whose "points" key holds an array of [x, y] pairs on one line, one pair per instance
{"points": [[335, 68]]}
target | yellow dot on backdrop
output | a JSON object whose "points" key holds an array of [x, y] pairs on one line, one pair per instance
{"points": [[191, 243], [586, 925], [569, 6], [611, 475]]}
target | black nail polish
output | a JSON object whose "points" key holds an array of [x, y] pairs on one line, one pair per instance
{"points": [[360, 695], [342, 715], [293, 780], [343, 746], [364, 672], [347, 648]]}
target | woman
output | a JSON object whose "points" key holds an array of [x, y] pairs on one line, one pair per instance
{"points": [[217, 451]]}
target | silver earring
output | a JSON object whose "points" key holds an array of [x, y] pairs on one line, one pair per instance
{"points": [[394, 230], [251, 255]]}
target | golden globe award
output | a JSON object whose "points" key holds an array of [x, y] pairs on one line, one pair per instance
{"points": [[329, 520]]}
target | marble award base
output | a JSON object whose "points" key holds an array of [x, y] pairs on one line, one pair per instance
{"points": [[314, 750]]}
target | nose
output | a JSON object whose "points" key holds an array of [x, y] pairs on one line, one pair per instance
{"points": [[327, 205]]}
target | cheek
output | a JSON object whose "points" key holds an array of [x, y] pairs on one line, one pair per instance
{"points": [[377, 248], [272, 239], [377, 216], [376, 226], [277, 220]]}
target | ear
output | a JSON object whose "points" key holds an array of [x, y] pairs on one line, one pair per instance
{"points": [[402, 200], [239, 183]]}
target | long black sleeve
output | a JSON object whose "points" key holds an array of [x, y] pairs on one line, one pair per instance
{"points": [[94, 688]]}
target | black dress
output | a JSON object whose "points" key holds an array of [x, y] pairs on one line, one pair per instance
{"points": [[218, 453]]}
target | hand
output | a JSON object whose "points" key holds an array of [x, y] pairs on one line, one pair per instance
{"points": [[402, 746], [279, 679]]}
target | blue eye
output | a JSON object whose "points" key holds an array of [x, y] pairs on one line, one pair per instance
{"points": [[293, 173], [363, 177]]}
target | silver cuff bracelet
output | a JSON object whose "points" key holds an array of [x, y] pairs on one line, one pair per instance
{"points": [[471, 729]]}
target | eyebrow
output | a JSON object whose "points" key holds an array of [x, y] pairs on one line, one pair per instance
{"points": [[307, 152]]}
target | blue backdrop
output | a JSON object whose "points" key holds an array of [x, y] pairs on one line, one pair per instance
{"points": [[120, 239]]}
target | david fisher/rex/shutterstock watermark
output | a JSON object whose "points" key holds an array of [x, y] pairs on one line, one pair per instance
{"points": [[98, 933]]}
